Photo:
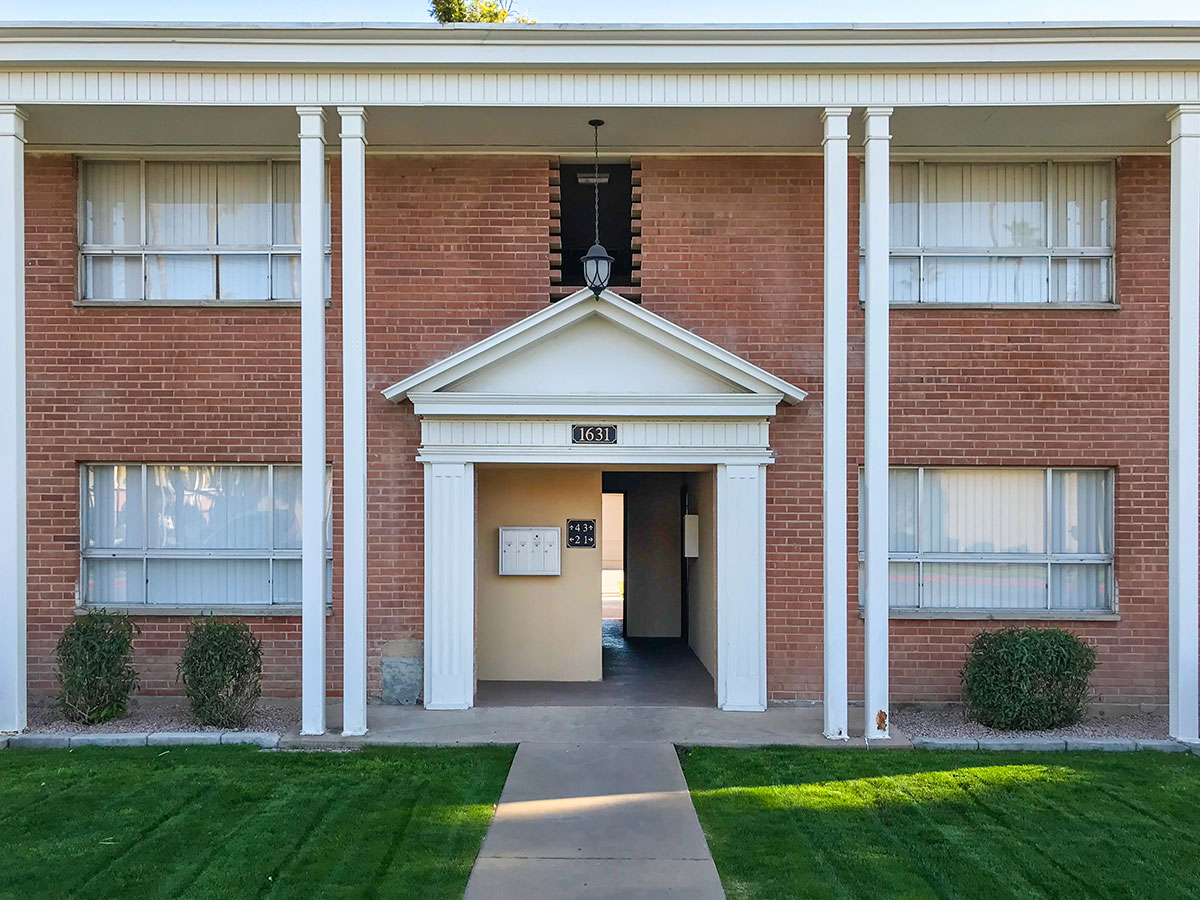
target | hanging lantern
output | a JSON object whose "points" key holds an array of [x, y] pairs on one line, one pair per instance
{"points": [[597, 268], [597, 264]]}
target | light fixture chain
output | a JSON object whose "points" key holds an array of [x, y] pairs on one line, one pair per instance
{"points": [[596, 177]]}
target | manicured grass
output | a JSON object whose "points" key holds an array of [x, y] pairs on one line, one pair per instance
{"points": [[236, 822], [794, 823]]}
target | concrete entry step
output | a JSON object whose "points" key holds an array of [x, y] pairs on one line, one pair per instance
{"points": [[594, 820]]}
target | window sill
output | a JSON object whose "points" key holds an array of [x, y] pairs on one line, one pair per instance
{"points": [[1015, 307], [1056, 615], [193, 304], [140, 609]]}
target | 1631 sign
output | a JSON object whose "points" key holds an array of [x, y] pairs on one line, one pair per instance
{"points": [[593, 434]]}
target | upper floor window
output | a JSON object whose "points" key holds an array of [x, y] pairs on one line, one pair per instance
{"points": [[191, 231], [1002, 232]]}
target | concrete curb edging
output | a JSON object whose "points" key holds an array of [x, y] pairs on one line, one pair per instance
{"points": [[266, 740], [1032, 743]]}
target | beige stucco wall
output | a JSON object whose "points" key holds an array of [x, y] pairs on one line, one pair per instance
{"points": [[702, 573], [537, 628]]}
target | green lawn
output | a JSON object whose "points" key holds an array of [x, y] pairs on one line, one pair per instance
{"points": [[234, 822], [889, 824]]}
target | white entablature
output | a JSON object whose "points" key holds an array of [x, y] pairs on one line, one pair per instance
{"points": [[674, 397]]}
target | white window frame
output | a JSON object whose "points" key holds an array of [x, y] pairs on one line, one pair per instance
{"points": [[1049, 253], [144, 250], [145, 553], [1048, 558]]}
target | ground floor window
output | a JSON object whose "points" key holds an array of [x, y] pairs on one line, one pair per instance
{"points": [[990, 538], [192, 535]]}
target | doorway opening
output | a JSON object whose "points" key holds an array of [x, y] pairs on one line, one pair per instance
{"points": [[626, 620], [612, 558]]}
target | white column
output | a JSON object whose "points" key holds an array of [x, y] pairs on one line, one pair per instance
{"points": [[1184, 441], [742, 587], [312, 392], [13, 583], [833, 423], [874, 527], [449, 585], [354, 419]]}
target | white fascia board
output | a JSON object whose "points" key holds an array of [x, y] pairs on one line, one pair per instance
{"points": [[358, 47], [615, 308], [742, 406], [610, 456]]}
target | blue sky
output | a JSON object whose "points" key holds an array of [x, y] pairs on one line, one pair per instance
{"points": [[607, 11]]}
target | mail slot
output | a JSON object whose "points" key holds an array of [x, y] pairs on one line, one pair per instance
{"points": [[530, 550]]}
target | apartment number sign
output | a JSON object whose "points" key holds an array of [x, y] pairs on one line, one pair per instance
{"points": [[593, 434], [581, 533]]}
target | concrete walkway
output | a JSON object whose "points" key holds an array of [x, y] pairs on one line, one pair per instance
{"points": [[687, 726], [596, 820]]}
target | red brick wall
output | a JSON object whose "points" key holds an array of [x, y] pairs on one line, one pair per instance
{"points": [[732, 249], [188, 384], [458, 249]]}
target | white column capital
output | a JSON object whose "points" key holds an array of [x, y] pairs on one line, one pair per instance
{"points": [[12, 121], [354, 123], [877, 120], [837, 123], [312, 122], [1185, 121]]}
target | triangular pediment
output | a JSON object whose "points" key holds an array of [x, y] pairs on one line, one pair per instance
{"points": [[594, 355], [596, 349]]}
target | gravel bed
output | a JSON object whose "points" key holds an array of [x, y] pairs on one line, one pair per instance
{"points": [[951, 723], [277, 717]]}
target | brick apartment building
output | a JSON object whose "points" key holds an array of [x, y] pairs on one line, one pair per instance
{"points": [[901, 341]]}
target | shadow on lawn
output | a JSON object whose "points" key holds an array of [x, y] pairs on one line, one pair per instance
{"points": [[791, 823]]}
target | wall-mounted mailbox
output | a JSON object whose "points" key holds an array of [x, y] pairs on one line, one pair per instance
{"points": [[530, 550], [691, 536]]}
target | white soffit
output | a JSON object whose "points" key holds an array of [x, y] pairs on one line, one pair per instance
{"points": [[650, 362]]}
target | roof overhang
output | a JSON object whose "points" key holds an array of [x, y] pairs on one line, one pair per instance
{"points": [[364, 45]]}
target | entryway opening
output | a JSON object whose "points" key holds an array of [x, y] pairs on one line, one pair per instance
{"points": [[622, 616]]}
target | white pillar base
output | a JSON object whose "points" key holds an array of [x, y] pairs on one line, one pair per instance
{"points": [[742, 588], [449, 585]]}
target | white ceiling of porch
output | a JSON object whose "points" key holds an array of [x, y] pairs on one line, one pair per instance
{"points": [[1095, 129]]}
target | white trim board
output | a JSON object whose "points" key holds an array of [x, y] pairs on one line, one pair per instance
{"points": [[121, 83]]}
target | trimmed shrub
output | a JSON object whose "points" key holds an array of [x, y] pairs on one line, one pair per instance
{"points": [[221, 670], [94, 665], [1027, 678]]}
